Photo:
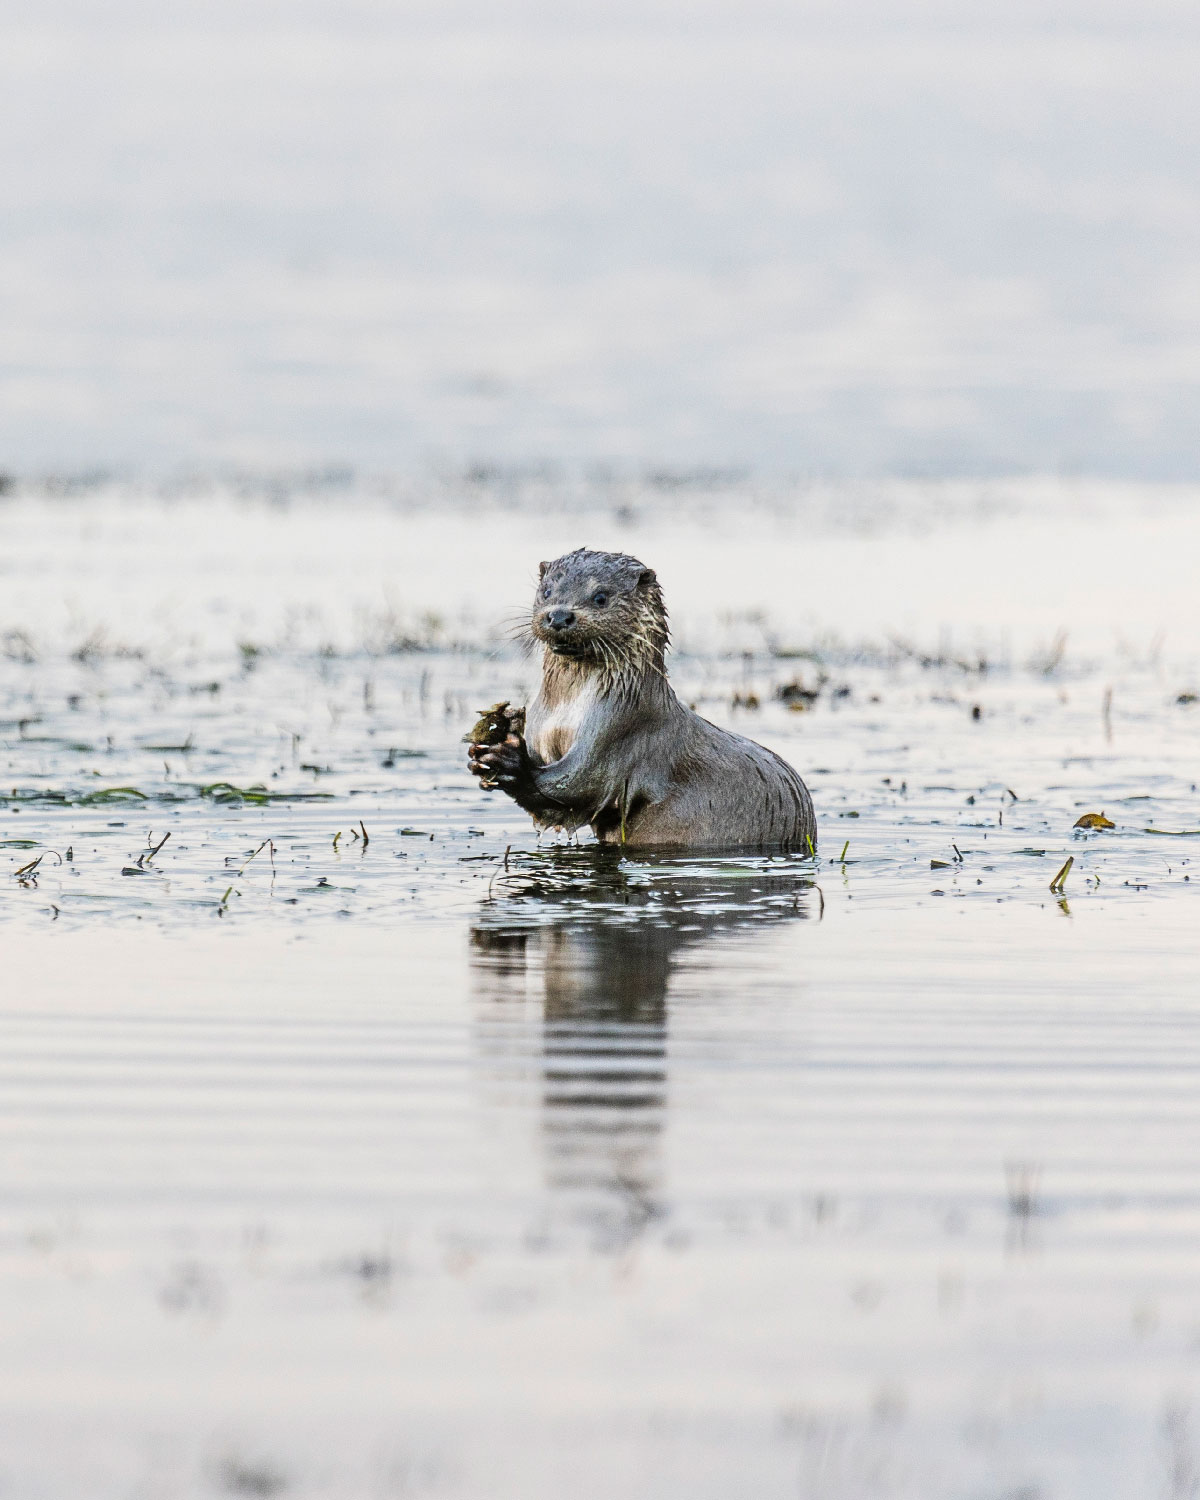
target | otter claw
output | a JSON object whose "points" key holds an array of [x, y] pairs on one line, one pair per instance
{"points": [[498, 765]]}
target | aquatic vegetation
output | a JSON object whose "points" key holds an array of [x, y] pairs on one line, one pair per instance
{"points": [[203, 749], [495, 724], [1059, 882], [403, 1068], [1094, 820], [258, 795]]}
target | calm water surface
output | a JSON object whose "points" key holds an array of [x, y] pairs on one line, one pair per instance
{"points": [[445, 1162]]}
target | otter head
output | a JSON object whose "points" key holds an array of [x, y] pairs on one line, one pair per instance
{"points": [[603, 609]]}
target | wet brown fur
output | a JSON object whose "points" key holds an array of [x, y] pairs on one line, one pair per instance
{"points": [[607, 741]]}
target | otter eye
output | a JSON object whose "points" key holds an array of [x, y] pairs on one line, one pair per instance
{"points": [[600, 598]]}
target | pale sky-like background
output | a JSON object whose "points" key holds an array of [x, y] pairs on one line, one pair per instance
{"points": [[815, 239]]}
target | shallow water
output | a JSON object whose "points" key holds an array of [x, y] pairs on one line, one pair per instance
{"points": [[448, 1162]]}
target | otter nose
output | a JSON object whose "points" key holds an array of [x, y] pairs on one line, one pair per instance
{"points": [[559, 619]]}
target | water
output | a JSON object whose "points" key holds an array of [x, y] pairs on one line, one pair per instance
{"points": [[915, 237], [449, 1162], [669, 1207]]}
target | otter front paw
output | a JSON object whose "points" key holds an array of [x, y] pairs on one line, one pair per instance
{"points": [[504, 765]]}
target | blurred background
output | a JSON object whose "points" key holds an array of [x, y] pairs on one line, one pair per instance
{"points": [[920, 238]]}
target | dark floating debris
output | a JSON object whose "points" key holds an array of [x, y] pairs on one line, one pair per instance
{"points": [[395, 754], [797, 696]]}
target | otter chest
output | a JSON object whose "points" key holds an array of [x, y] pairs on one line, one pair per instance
{"points": [[555, 728]]}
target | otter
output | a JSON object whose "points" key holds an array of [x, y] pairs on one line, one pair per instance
{"points": [[608, 743]]}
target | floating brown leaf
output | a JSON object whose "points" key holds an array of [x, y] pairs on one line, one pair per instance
{"points": [[1094, 820]]}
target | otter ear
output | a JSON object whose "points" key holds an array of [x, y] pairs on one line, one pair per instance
{"points": [[542, 566], [646, 578]]}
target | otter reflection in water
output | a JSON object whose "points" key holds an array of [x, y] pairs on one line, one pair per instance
{"points": [[591, 939]]}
